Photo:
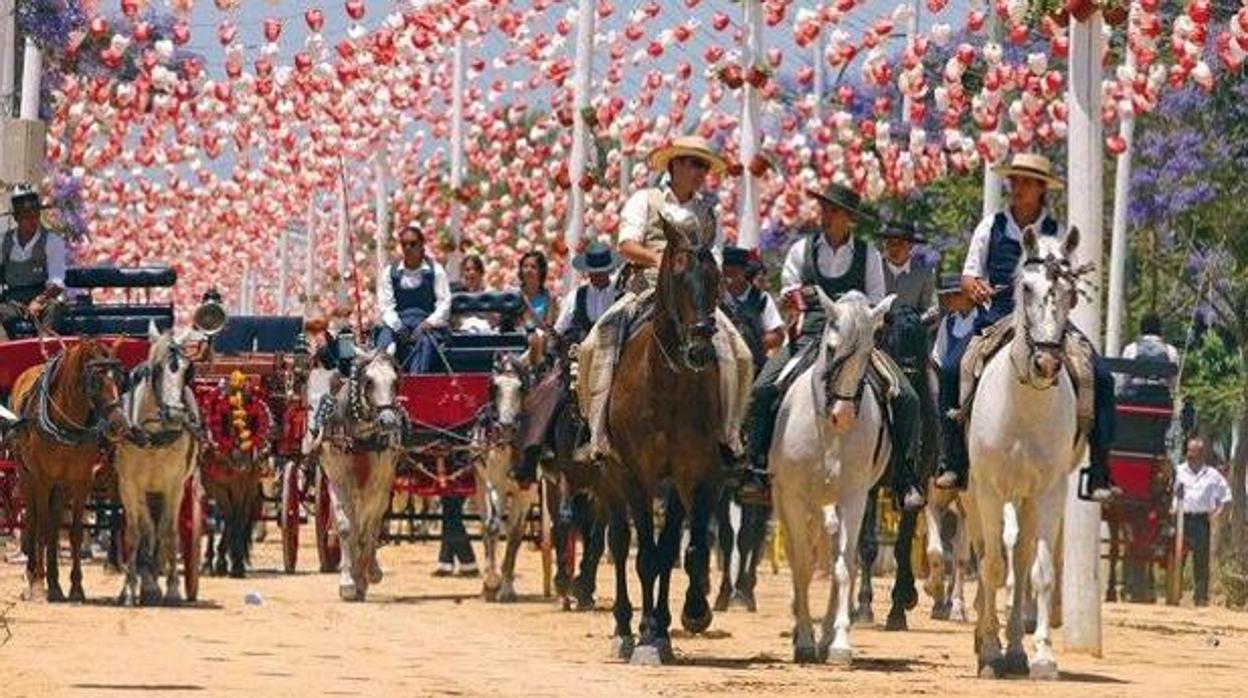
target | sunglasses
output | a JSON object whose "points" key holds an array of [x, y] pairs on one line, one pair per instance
{"points": [[413, 243], [696, 163]]}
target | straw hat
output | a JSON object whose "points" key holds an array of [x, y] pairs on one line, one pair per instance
{"points": [[1031, 165], [687, 146]]}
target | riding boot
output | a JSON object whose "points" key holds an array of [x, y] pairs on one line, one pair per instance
{"points": [[905, 437], [1095, 482], [760, 422], [951, 474]]}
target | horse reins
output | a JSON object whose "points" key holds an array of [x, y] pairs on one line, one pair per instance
{"points": [[75, 434], [171, 423]]}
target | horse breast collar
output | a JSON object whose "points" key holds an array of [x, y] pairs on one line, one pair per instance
{"points": [[74, 434]]}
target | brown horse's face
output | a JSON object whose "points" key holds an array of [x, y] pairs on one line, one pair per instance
{"points": [[103, 377], [688, 294]]}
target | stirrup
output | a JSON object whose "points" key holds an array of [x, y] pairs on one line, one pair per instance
{"points": [[1100, 493]]}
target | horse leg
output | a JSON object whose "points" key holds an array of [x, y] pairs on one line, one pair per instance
{"points": [[52, 543], [992, 574], [837, 620], [1046, 529], [799, 548], [905, 597], [492, 525], [32, 533], [343, 508], [648, 565], [619, 535], [592, 530], [77, 504], [750, 544], [724, 536], [560, 530], [696, 615], [171, 545], [1111, 585], [868, 550], [656, 644], [521, 503], [934, 556], [1024, 556]]}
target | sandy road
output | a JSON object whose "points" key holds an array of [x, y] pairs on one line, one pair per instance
{"points": [[421, 636]]}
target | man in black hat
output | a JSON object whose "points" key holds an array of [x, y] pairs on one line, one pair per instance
{"points": [[752, 310], [585, 304], [832, 260], [912, 282], [32, 264]]}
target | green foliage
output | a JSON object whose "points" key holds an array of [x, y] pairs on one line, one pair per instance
{"points": [[1212, 376]]}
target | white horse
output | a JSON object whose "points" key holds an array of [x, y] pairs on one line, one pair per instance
{"points": [[360, 448], [503, 501], [153, 464], [820, 484], [1022, 444]]}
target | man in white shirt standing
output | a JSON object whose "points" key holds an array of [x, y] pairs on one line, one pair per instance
{"points": [[414, 297], [32, 265], [1202, 493]]}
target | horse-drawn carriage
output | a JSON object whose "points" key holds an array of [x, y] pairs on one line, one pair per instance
{"points": [[1140, 521]]}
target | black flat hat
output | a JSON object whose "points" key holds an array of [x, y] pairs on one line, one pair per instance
{"points": [[598, 257]]}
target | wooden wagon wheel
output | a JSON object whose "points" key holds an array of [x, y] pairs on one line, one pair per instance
{"points": [[329, 553], [190, 526], [290, 512]]}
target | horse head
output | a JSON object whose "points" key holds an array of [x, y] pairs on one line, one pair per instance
{"points": [[906, 339], [848, 338], [103, 378], [688, 289], [168, 372], [507, 387], [1045, 290], [373, 393]]}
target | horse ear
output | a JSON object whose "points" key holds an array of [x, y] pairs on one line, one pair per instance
{"points": [[152, 333], [826, 302], [881, 309], [1030, 244], [1071, 242]]}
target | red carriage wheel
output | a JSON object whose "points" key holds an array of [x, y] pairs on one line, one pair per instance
{"points": [[290, 514], [190, 525], [327, 549]]}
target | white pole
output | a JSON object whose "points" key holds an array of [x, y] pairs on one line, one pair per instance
{"points": [[819, 64], [245, 290], [581, 85], [626, 175], [912, 32], [283, 269], [343, 245], [1118, 239], [1081, 580], [748, 228], [309, 257], [8, 55], [992, 180], [454, 259], [381, 202], [32, 73]]}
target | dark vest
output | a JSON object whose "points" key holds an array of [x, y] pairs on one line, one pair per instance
{"points": [[414, 304], [954, 346], [854, 279], [747, 317], [581, 321], [24, 280], [1004, 254]]}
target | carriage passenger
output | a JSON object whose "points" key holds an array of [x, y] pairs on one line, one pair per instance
{"points": [[1150, 347], [834, 261], [988, 273], [472, 280], [414, 297], [32, 266]]}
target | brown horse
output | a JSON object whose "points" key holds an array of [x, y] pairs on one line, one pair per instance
{"points": [[70, 408], [664, 419]]}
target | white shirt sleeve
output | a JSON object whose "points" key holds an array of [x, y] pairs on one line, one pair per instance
{"points": [[771, 314], [566, 308], [441, 314], [942, 341], [633, 217], [977, 254], [791, 273], [875, 276], [56, 260], [385, 299], [1130, 350]]}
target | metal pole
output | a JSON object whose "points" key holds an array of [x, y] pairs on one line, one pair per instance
{"points": [[381, 202], [581, 85], [283, 269], [748, 228], [32, 73], [912, 32], [819, 64], [8, 55], [1118, 239], [309, 278], [1081, 579], [992, 180], [342, 243]]}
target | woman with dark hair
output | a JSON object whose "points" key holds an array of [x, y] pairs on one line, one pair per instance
{"points": [[472, 280], [471, 275], [540, 307]]}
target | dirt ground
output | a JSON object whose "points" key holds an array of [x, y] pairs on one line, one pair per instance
{"points": [[421, 636]]}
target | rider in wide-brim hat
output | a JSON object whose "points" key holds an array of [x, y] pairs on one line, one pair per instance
{"points": [[687, 146], [842, 197], [1031, 166]]}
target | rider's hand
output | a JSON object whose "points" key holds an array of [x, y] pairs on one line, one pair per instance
{"points": [[976, 289]]}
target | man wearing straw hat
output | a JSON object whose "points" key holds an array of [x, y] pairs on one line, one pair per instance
{"points": [[834, 261], [992, 261], [32, 265], [679, 199]]}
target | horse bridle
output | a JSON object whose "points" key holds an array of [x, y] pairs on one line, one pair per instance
{"points": [[1057, 270], [362, 412], [97, 419], [698, 252], [487, 416]]}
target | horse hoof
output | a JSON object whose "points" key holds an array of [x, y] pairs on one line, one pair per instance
{"points": [[375, 575], [238, 573], [173, 601], [150, 597], [864, 617], [585, 603], [489, 594], [656, 654], [1029, 626], [622, 647], [348, 592], [722, 601], [957, 613], [77, 595], [507, 595], [940, 611], [221, 569], [55, 595], [1044, 670], [1016, 663], [696, 624], [993, 668], [896, 621], [839, 656], [807, 655]]}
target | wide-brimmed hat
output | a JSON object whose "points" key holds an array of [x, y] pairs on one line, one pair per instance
{"points": [[687, 146], [1033, 166], [903, 230], [598, 257], [737, 256], [841, 197], [25, 202], [950, 288]]}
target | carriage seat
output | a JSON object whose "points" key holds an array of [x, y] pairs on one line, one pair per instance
{"points": [[474, 353], [262, 333], [120, 277], [85, 317]]}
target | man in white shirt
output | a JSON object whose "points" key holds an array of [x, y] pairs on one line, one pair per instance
{"points": [[1202, 493], [753, 311], [32, 265], [910, 280], [584, 304], [953, 334], [414, 297], [1152, 348]]}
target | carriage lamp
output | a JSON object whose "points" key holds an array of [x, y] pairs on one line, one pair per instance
{"points": [[344, 344]]}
